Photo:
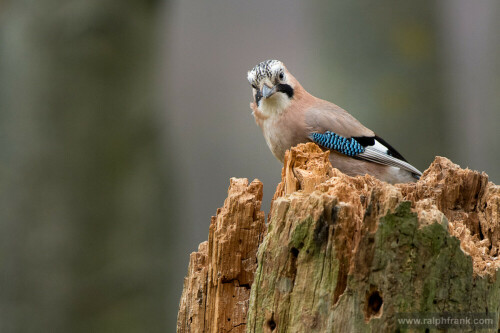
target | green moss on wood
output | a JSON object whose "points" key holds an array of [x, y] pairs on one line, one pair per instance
{"points": [[413, 269]]}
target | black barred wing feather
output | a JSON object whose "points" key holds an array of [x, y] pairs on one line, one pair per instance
{"points": [[330, 140]]}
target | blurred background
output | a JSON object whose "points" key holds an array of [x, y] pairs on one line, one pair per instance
{"points": [[121, 123]]}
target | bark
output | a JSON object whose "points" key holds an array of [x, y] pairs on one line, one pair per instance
{"points": [[344, 254]]}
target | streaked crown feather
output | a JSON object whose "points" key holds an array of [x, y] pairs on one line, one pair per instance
{"points": [[266, 69]]}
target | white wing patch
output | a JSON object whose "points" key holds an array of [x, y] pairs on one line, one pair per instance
{"points": [[380, 147]]}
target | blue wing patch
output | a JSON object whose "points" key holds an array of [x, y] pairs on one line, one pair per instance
{"points": [[330, 140]]}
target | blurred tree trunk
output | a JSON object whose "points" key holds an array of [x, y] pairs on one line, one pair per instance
{"points": [[471, 49], [82, 180], [380, 61]]}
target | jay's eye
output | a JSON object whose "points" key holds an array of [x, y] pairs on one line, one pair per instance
{"points": [[254, 86], [282, 76]]}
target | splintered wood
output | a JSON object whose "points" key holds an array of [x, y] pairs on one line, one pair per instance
{"points": [[471, 204], [346, 254], [217, 287]]}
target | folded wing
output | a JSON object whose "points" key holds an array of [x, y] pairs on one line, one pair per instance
{"points": [[333, 128]]}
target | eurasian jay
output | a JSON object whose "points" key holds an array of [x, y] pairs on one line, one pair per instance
{"points": [[289, 115]]}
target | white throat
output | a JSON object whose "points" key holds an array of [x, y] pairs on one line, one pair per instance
{"points": [[276, 104]]}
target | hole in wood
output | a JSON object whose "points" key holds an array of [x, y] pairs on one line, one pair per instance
{"points": [[271, 324], [374, 303], [295, 252]]}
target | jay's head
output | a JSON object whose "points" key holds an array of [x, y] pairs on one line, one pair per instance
{"points": [[272, 86]]}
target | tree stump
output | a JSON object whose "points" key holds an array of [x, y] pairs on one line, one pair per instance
{"points": [[351, 254]]}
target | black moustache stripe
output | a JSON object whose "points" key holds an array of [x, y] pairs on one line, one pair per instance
{"points": [[285, 88]]}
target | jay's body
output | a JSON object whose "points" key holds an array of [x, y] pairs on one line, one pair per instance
{"points": [[289, 115]]}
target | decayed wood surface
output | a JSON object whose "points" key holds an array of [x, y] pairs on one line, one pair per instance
{"points": [[347, 254], [217, 287]]}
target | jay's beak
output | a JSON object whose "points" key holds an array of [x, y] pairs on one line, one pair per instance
{"points": [[268, 91]]}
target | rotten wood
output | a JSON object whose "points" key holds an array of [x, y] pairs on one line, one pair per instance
{"points": [[349, 254], [217, 287]]}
